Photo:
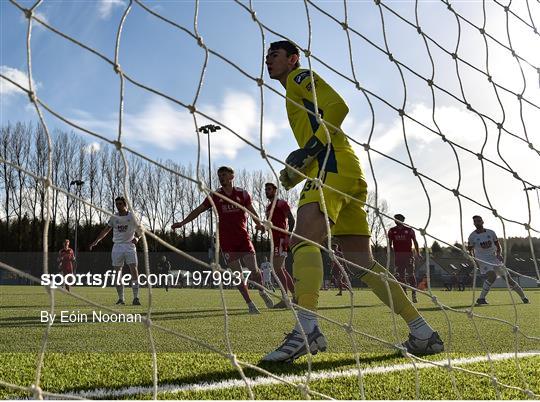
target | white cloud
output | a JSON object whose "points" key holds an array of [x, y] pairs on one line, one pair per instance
{"points": [[460, 126], [240, 113], [435, 159], [105, 7], [92, 147], [18, 76], [160, 124], [163, 125], [42, 17], [35, 24]]}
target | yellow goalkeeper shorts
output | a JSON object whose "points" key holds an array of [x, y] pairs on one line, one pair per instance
{"points": [[346, 213]]}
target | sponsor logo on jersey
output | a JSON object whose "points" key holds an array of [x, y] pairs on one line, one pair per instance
{"points": [[229, 208], [301, 76], [485, 244]]}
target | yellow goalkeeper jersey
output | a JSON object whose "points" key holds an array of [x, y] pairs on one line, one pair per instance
{"points": [[333, 109]]}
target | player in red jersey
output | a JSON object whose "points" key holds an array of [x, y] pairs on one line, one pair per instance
{"points": [[339, 278], [283, 218], [65, 260], [401, 239], [234, 239]]}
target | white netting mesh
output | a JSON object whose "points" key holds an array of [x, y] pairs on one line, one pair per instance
{"points": [[500, 125]]}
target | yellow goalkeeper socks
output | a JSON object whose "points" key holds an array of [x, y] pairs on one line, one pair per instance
{"points": [[307, 273], [402, 305]]}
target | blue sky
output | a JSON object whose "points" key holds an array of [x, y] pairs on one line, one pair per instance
{"points": [[85, 89]]}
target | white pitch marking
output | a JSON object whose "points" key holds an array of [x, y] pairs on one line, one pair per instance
{"points": [[258, 381]]}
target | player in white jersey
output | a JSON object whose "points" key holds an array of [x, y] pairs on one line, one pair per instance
{"points": [[485, 248], [266, 269], [125, 237]]}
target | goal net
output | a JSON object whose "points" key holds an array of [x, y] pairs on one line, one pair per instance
{"points": [[444, 106]]}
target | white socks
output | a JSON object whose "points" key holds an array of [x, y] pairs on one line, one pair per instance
{"points": [[135, 288], [307, 320], [485, 289], [120, 291], [420, 328]]}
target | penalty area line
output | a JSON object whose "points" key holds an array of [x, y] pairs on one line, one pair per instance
{"points": [[263, 380]]}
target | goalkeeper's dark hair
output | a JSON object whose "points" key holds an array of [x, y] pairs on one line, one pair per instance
{"points": [[399, 217], [120, 198], [477, 217], [271, 185], [289, 47], [226, 169]]}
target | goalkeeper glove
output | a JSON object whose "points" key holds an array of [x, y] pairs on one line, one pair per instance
{"points": [[300, 160], [289, 178]]}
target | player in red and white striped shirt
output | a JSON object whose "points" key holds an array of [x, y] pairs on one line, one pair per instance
{"points": [[281, 217]]}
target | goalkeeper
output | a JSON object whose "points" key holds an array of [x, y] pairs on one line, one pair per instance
{"points": [[347, 216]]}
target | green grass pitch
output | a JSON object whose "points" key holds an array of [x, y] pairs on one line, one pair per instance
{"points": [[115, 357]]}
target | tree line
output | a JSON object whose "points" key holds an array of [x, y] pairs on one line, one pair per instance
{"points": [[159, 196]]}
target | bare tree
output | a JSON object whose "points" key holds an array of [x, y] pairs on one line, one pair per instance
{"points": [[378, 229], [158, 194], [93, 177], [181, 186], [198, 197], [191, 198], [164, 202], [20, 143], [38, 164], [152, 177], [173, 192], [113, 170], [135, 181], [8, 182], [102, 183], [68, 172], [55, 176]]}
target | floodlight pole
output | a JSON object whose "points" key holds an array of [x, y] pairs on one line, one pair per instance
{"points": [[79, 184], [208, 129]]}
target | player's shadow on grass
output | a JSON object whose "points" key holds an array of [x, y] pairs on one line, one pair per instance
{"points": [[297, 368], [466, 306], [302, 366], [190, 314], [437, 308], [42, 306], [349, 306], [287, 368], [236, 311], [14, 322]]}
